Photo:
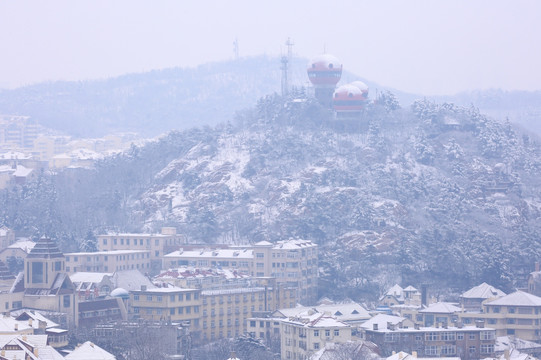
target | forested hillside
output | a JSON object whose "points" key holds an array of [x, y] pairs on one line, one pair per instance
{"points": [[430, 193]]}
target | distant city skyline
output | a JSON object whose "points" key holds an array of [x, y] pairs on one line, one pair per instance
{"points": [[423, 47]]}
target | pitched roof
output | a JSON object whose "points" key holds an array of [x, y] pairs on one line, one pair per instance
{"points": [[45, 248], [518, 298], [483, 291], [89, 351], [441, 308], [382, 320]]}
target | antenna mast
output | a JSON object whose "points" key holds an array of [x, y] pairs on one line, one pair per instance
{"points": [[286, 69], [236, 48]]}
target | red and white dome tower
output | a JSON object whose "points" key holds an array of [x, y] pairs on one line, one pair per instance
{"points": [[324, 72]]}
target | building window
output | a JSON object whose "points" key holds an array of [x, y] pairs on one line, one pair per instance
{"points": [[67, 301], [472, 337], [431, 350], [180, 310], [487, 335], [180, 297], [487, 348], [460, 336], [448, 350], [136, 297], [316, 333], [431, 336], [316, 346], [159, 298], [172, 311], [149, 297], [472, 349]]}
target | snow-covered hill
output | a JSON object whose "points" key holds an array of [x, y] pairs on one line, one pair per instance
{"points": [[432, 193]]}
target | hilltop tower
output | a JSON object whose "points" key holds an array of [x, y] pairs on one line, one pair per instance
{"points": [[324, 72]]}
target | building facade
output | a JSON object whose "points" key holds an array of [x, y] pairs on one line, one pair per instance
{"points": [[108, 261]]}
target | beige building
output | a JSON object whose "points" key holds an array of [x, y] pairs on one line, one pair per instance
{"points": [[47, 286], [213, 313], [517, 314], [294, 263], [302, 336], [108, 261], [7, 237], [157, 244]]}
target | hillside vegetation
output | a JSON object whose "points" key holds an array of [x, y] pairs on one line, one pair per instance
{"points": [[430, 193]]}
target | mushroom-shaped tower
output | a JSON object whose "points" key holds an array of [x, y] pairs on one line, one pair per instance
{"points": [[324, 72], [348, 99], [362, 86]]}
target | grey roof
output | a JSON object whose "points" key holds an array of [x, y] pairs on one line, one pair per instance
{"points": [[483, 291], [518, 298], [45, 248]]}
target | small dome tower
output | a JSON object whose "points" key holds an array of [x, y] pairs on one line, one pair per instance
{"points": [[324, 72]]}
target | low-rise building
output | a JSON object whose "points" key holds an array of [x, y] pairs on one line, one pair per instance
{"points": [[466, 342], [472, 300], [156, 244], [302, 336], [108, 261]]}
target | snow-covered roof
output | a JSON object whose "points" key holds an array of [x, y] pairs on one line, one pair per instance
{"points": [[88, 277], [441, 308], [131, 280], [22, 171], [483, 291], [325, 60], [349, 89], [232, 291], [316, 320], [217, 253], [14, 155], [200, 273], [293, 244], [36, 317], [110, 252], [26, 245], [401, 355], [168, 289], [518, 298], [381, 320], [350, 312], [361, 85], [23, 344], [410, 288], [263, 243], [89, 351], [512, 342]]}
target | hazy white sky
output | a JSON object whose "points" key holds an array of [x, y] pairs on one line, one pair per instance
{"points": [[428, 47]]}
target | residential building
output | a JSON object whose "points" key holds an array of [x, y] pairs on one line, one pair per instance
{"points": [[108, 261], [17, 346], [517, 314], [437, 313], [466, 342], [157, 244], [169, 303], [302, 336], [17, 132], [16, 251], [267, 325], [294, 263], [472, 300]]}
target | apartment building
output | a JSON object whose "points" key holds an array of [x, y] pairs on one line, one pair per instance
{"points": [[108, 261], [17, 131], [517, 314], [302, 336], [466, 342], [472, 300], [267, 325], [293, 263], [157, 244], [213, 313]]}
